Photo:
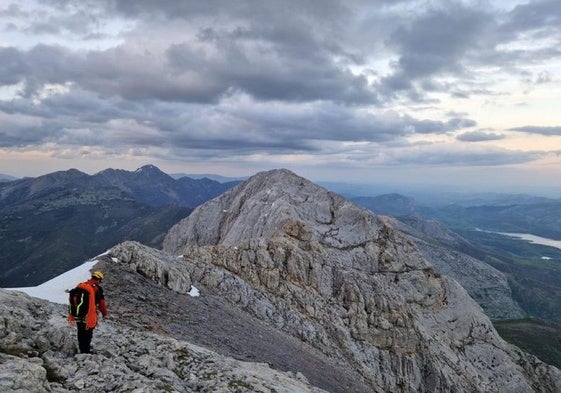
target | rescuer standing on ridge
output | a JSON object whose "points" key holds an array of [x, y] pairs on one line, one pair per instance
{"points": [[85, 302]]}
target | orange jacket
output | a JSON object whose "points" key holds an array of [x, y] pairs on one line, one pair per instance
{"points": [[97, 302], [99, 298]]}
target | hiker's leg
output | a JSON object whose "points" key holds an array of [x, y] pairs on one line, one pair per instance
{"points": [[84, 337], [89, 335]]}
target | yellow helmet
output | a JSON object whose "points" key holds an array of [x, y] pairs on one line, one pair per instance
{"points": [[97, 274]]}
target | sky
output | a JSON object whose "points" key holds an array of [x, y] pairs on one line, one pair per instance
{"points": [[434, 93]]}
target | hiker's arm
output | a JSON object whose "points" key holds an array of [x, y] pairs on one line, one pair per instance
{"points": [[100, 300], [103, 307]]}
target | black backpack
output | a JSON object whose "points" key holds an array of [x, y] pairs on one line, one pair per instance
{"points": [[79, 302]]}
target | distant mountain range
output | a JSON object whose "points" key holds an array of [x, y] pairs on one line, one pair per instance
{"points": [[54, 222], [211, 176], [493, 212], [4, 178], [394, 205]]}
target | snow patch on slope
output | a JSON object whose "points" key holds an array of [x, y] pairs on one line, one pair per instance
{"points": [[54, 290]]}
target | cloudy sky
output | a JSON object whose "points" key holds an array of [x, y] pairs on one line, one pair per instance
{"points": [[395, 91]]}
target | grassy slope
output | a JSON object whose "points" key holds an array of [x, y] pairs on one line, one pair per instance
{"points": [[535, 282], [539, 338], [38, 246]]}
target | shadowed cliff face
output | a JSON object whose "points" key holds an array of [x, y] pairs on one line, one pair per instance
{"points": [[336, 277], [142, 289]]}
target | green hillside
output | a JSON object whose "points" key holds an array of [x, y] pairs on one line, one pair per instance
{"points": [[39, 245], [535, 282], [539, 338]]}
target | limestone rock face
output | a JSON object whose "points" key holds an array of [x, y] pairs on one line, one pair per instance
{"points": [[273, 203], [311, 283], [339, 278], [447, 252], [160, 268]]}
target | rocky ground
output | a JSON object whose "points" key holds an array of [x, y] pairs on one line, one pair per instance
{"points": [[212, 322], [38, 354], [345, 282]]}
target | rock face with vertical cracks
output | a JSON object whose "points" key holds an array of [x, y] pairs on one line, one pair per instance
{"points": [[337, 277]]}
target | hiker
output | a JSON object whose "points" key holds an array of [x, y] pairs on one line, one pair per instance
{"points": [[85, 302]]}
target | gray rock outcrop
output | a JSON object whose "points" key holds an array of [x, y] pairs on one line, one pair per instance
{"points": [[339, 278], [38, 354], [210, 320], [443, 249]]}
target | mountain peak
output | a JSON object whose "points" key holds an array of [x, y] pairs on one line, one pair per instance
{"points": [[151, 171], [71, 173], [266, 205], [336, 277], [49, 182], [148, 168]]}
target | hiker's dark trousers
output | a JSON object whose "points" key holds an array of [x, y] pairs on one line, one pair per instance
{"points": [[84, 337]]}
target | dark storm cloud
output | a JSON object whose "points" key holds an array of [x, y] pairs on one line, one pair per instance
{"points": [[439, 127], [479, 136], [454, 40], [278, 71], [288, 50], [41, 65], [538, 130], [328, 122], [435, 44], [81, 23], [13, 11], [533, 16], [112, 72], [300, 51], [77, 19], [21, 131], [114, 84], [437, 41], [13, 66], [270, 77], [253, 126], [259, 11], [266, 73], [295, 51]]}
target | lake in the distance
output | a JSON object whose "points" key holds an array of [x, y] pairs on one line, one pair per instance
{"points": [[534, 239], [544, 241]]}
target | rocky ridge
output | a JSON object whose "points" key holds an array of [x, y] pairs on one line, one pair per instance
{"points": [[340, 279], [38, 354]]}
